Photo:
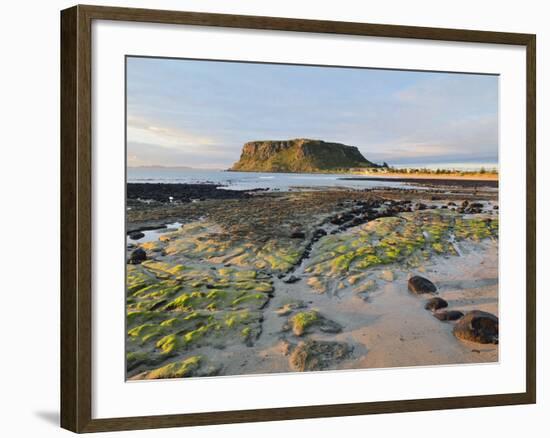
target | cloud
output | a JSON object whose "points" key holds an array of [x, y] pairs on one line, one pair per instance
{"points": [[145, 154], [141, 130], [438, 118], [183, 112], [155, 143]]}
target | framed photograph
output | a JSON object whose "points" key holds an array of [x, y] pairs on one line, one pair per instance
{"points": [[271, 218]]}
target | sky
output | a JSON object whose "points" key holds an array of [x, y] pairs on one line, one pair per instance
{"points": [[200, 113]]}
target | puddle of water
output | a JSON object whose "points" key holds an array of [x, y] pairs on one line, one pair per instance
{"points": [[153, 235]]}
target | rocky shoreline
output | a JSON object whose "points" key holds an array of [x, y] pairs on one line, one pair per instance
{"points": [[167, 192], [259, 282]]}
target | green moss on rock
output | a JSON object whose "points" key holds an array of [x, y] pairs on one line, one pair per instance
{"points": [[302, 320], [407, 237], [194, 366]]}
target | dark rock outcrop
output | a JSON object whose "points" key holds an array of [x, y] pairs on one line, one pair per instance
{"points": [[168, 192], [317, 234]]}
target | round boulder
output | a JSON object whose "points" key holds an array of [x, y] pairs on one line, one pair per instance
{"points": [[477, 326], [448, 315], [421, 285], [137, 256], [435, 303], [317, 234]]}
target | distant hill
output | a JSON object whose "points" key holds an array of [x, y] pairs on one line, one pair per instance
{"points": [[160, 166], [299, 155]]}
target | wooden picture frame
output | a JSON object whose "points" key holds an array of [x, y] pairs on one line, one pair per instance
{"points": [[76, 217]]}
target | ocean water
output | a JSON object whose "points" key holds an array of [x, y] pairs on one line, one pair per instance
{"points": [[252, 180]]}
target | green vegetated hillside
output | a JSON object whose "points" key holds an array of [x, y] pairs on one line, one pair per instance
{"points": [[299, 155]]}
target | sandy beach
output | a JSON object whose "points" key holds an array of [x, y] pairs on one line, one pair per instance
{"points": [[226, 282]]}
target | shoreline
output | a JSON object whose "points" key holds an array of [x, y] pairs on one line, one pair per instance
{"points": [[430, 180], [466, 174]]}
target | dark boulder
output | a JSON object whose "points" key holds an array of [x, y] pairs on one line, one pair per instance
{"points": [[448, 315], [137, 256], [477, 326], [435, 303], [357, 221], [292, 279], [341, 218], [317, 234], [297, 234], [136, 235], [421, 285], [474, 208]]}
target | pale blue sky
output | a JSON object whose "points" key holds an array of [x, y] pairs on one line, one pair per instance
{"points": [[200, 113]]}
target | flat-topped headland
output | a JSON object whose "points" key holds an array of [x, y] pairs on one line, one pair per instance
{"points": [[300, 155]]}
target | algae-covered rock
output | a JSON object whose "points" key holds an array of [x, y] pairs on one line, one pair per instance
{"points": [[174, 308], [288, 308], [205, 241], [136, 278], [154, 246], [409, 238], [318, 355], [316, 284], [194, 366], [136, 359], [302, 322], [477, 326]]}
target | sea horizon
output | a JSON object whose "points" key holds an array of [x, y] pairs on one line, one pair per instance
{"points": [[449, 166]]}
